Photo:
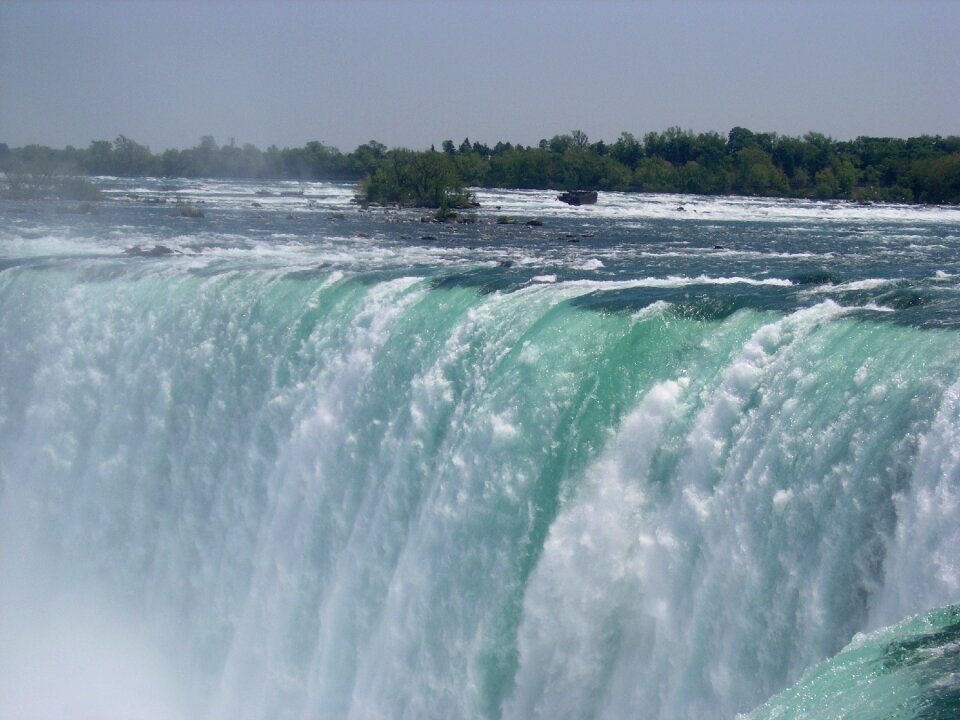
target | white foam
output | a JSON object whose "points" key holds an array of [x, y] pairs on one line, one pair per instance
{"points": [[715, 209], [923, 560]]}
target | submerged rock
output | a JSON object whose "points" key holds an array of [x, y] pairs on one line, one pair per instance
{"points": [[155, 251], [84, 208], [188, 209], [448, 216]]}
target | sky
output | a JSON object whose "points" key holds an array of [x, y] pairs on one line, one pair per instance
{"points": [[412, 74]]}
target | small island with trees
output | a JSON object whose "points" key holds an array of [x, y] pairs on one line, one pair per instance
{"points": [[924, 169]]}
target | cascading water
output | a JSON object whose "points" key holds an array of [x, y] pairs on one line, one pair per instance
{"points": [[256, 468]]}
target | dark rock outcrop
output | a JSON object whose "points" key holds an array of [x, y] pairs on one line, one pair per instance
{"points": [[578, 197], [144, 251]]}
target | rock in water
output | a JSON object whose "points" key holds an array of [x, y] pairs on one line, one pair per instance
{"points": [[578, 197]]}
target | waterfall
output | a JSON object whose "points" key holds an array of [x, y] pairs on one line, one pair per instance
{"points": [[311, 495]]}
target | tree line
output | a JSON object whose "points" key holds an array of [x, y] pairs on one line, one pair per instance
{"points": [[924, 169]]}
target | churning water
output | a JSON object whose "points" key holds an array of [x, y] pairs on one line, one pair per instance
{"points": [[663, 457]]}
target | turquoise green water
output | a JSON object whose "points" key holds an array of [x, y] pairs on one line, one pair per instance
{"points": [[245, 481], [909, 671]]}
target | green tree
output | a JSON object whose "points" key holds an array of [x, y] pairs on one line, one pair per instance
{"points": [[826, 184], [937, 180], [130, 158], [579, 140], [738, 139], [560, 143], [98, 158], [421, 179], [366, 158], [627, 150], [471, 168], [654, 174], [755, 174]]}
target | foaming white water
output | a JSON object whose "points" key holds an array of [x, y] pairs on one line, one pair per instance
{"points": [[589, 583], [376, 535], [306, 483], [283, 195], [685, 208], [585, 286], [867, 284], [923, 562], [656, 308], [666, 596]]}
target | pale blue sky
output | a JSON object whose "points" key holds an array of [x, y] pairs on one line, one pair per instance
{"points": [[416, 73]]}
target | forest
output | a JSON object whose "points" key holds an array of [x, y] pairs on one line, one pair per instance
{"points": [[924, 169]]}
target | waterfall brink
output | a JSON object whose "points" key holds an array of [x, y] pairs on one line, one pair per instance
{"points": [[379, 495]]}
